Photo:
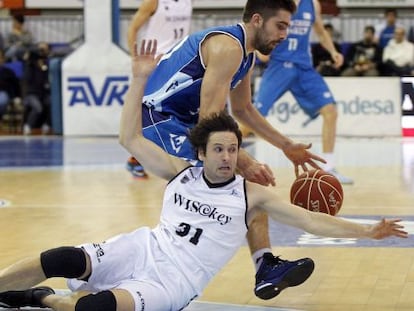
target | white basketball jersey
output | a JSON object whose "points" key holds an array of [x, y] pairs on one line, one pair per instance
{"points": [[169, 24], [202, 225]]}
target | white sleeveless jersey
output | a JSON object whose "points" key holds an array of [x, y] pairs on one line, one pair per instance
{"points": [[169, 24], [202, 226]]}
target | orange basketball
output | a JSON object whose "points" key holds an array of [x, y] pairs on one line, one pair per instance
{"points": [[317, 191]]}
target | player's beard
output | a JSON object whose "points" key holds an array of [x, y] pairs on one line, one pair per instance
{"points": [[262, 45]]}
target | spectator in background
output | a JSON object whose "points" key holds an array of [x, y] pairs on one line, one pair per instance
{"points": [[1, 43], [19, 39], [410, 36], [322, 59], [9, 86], [37, 89], [384, 32], [398, 56], [364, 57]]}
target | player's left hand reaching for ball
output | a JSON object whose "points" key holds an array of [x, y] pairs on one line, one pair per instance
{"points": [[300, 155], [386, 228]]}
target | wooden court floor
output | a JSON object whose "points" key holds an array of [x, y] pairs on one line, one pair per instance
{"points": [[56, 191]]}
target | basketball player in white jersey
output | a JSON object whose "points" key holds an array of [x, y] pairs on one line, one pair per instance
{"points": [[205, 216], [167, 21]]}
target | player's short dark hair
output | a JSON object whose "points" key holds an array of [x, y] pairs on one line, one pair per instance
{"points": [[19, 18], [370, 28], [216, 122], [328, 26], [267, 8], [390, 10]]}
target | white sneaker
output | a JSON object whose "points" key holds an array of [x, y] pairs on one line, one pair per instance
{"points": [[342, 179], [26, 129], [45, 129]]}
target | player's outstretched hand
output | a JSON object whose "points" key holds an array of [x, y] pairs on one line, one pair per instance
{"points": [[299, 154], [144, 60], [259, 173], [386, 228]]}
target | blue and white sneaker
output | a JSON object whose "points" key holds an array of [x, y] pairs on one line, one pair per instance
{"points": [[136, 169], [275, 274], [31, 297]]}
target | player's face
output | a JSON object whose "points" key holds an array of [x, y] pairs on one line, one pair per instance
{"points": [[220, 158], [272, 31]]}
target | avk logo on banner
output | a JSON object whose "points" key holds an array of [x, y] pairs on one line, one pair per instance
{"points": [[92, 104], [82, 91]]}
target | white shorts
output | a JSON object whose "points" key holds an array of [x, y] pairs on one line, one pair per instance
{"points": [[134, 262]]}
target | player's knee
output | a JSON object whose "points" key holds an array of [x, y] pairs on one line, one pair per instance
{"points": [[329, 112], [68, 262], [102, 301]]}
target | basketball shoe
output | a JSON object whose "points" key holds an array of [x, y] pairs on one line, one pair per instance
{"points": [[136, 169], [342, 179], [25, 298], [275, 274]]}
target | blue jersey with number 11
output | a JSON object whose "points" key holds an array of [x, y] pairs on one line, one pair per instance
{"points": [[296, 47]]}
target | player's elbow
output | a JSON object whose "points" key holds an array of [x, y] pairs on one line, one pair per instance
{"points": [[123, 141], [241, 112]]}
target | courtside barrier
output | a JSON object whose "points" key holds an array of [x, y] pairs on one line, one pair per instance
{"points": [[367, 107]]}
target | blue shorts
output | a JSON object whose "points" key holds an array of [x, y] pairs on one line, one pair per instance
{"points": [[169, 133], [306, 85]]}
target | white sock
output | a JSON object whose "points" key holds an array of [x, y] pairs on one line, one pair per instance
{"points": [[330, 161], [258, 257]]}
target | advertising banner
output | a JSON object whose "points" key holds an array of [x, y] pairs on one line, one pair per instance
{"points": [[374, 3], [131, 4], [53, 4], [407, 86], [95, 78], [11, 4], [367, 107]]}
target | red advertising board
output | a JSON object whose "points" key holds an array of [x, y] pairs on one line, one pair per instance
{"points": [[12, 4]]}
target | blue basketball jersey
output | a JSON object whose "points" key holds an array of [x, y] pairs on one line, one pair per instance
{"points": [[296, 47], [174, 86]]}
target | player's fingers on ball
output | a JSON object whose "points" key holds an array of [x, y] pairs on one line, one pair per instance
{"points": [[313, 164], [318, 158], [304, 167], [268, 171]]}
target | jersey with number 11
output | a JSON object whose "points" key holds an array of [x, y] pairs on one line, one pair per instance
{"points": [[169, 24], [296, 47]]}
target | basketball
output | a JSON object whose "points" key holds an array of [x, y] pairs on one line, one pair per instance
{"points": [[317, 191]]}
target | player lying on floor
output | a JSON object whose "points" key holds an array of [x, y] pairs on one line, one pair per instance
{"points": [[204, 219]]}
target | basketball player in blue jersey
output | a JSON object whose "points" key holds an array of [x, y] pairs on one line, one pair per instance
{"points": [[205, 216], [290, 68], [195, 79], [167, 21]]}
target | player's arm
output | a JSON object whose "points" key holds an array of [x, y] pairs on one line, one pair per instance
{"points": [[324, 38], [141, 16], [222, 57], [261, 198], [152, 157], [246, 113]]}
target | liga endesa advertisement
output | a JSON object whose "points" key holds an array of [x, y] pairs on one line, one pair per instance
{"points": [[368, 107]]}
